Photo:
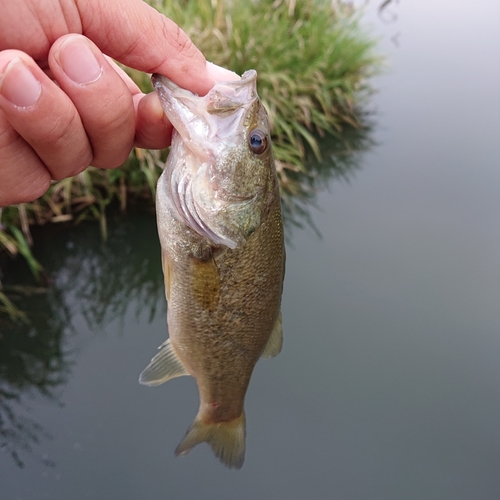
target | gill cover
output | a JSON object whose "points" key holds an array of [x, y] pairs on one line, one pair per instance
{"points": [[209, 144]]}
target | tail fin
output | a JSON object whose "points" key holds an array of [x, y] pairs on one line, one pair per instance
{"points": [[227, 440]]}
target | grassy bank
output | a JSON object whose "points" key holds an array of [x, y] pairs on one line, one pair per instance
{"points": [[313, 62]]}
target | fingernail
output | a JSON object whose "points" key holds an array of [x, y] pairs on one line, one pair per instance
{"points": [[19, 85], [79, 62]]}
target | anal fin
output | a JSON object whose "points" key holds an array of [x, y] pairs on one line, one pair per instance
{"points": [[164, 366], [275, 342]]}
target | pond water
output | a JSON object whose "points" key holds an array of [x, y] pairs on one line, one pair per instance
{"points": [[388, 386]]}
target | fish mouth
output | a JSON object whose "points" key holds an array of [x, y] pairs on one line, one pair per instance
{"points": [[206, 129], [248, 78], [207, 123]]}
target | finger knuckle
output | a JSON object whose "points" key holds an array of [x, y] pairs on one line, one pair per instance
{"points": [[179, 41], [116, 113], [34, 186], [8, 137], [113, 135], [23, 177], [60, 129], [182, 41]]}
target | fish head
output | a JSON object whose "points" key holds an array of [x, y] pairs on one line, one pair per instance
{"points": [[221, 169]]}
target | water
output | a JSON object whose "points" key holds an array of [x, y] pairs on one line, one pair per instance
{"points": [[387, 387]]}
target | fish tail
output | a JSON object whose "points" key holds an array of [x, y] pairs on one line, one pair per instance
{"points": [[227, 440]]}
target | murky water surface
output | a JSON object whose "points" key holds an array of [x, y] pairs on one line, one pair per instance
{"points": [[388, 383]]}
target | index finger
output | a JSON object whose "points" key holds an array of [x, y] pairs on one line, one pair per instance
{"points": [[138, 36]]}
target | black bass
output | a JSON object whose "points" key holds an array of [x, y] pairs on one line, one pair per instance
{"points": [[220, 228]]}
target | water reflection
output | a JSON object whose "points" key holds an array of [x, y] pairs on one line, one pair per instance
{"points": [[33, 362], [341, 158], [98, 281], [89, 279]]}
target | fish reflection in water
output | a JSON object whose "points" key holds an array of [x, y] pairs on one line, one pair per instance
{"points": [[220, 228]]}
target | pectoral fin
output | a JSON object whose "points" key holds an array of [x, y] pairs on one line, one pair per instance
{"points": [[205, 282], [275, 342], [163, 367]]}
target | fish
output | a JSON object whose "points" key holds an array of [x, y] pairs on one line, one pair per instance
{"points": [[223, 254]]}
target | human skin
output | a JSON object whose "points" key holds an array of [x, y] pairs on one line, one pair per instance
{"points": [[65, 105]]}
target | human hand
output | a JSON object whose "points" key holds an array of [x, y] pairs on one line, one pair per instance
{"points": [[64, 105]]}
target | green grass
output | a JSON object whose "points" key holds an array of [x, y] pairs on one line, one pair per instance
{"points": [[314, 63]]}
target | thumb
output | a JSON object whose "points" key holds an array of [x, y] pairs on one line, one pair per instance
{"points": [[138, 36]]}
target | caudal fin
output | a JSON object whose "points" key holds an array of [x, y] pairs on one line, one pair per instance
{"points": [[227, 440]]}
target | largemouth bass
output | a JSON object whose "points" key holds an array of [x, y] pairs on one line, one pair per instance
{"points": [[220, 228]]}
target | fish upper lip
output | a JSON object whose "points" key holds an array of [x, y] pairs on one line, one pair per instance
{"points": [[247, 77], [206, 122]]}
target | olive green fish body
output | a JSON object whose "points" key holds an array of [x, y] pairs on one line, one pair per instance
{"points": [[221, 312], [220, 228]]}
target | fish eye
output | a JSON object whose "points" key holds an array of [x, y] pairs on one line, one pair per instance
{"points": [[257, 141]]}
